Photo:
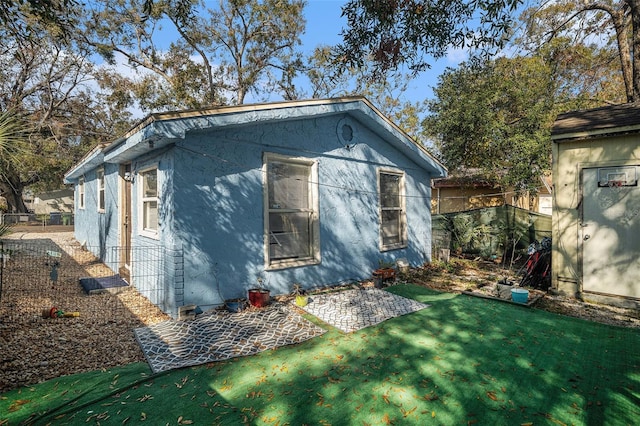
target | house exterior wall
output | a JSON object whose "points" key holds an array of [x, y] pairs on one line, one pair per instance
{"points": [[95, 228], [569, 159], [217, 213], [153, 260]]}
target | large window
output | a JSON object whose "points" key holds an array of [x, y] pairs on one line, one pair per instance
{"points": [[149, 199], [81, 193], [291, 212], [392, 210], [100, 190]]}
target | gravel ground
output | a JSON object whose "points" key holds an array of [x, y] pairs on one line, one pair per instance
{"points": [[36, 349]]}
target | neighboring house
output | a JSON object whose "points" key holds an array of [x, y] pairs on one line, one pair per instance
{"points": [[596, 213], [469, 192], [59, 201], [313, 192]]}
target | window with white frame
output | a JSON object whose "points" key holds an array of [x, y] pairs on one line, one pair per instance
{"points": [[101, 201], [149, 201], [291, 212], [392, 209], [81, 193]]}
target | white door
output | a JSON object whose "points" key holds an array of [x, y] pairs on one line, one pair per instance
{"points": [[611, 231]]}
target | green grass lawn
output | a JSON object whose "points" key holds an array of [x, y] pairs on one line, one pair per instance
{"points": [[463, 360]]}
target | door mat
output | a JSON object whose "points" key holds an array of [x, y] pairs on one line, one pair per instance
{"points": [[112, 284], [220, 335], [352, 310]]}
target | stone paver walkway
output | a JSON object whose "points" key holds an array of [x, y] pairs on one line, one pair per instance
{"points": [[352, 310]]}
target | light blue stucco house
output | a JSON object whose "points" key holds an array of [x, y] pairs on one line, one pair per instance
{"points": [[313, 192]]}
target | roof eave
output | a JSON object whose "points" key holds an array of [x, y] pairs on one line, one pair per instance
{"points": [[594, 133], [91, 160]]}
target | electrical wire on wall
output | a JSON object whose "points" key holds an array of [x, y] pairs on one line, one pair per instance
{"points": [[320, 184]]}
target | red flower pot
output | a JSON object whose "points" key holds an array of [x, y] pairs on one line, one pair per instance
{"points": [[259, 297]]}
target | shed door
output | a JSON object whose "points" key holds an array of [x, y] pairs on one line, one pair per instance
{"points": [[611, 231]]}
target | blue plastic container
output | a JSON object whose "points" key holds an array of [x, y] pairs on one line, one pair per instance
{"points": [[236, 305], [519, 295]]}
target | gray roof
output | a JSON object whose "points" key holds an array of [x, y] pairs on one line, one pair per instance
{"points": [[623, 118]]}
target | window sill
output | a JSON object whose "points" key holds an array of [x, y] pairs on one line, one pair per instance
{"points": [[394, 247], [285, 264], [149, 234]]}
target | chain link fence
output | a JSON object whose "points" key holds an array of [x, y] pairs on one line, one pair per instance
{"points": [[32, 219]]}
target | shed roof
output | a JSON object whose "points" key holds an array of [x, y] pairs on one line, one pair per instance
{"points": [[162, 129], [612, 119]]}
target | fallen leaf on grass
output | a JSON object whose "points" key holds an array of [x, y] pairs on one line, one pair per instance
{"points": [[431, 396], [17, 404], [406, 413]]}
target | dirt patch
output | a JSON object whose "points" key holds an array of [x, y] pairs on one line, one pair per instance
{"points": [[36, 349]]}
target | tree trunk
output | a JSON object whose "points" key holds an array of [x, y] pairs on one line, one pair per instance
{"points": [[635, 40], [628, 66], [11, 188]]}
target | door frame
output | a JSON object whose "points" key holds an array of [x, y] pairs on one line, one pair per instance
{"points": [[126, 193]]}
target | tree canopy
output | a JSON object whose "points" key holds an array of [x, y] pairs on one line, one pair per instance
{"points": [[46, 94], [392, 33], [609, 24], [219, 55], [485, 119]]}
